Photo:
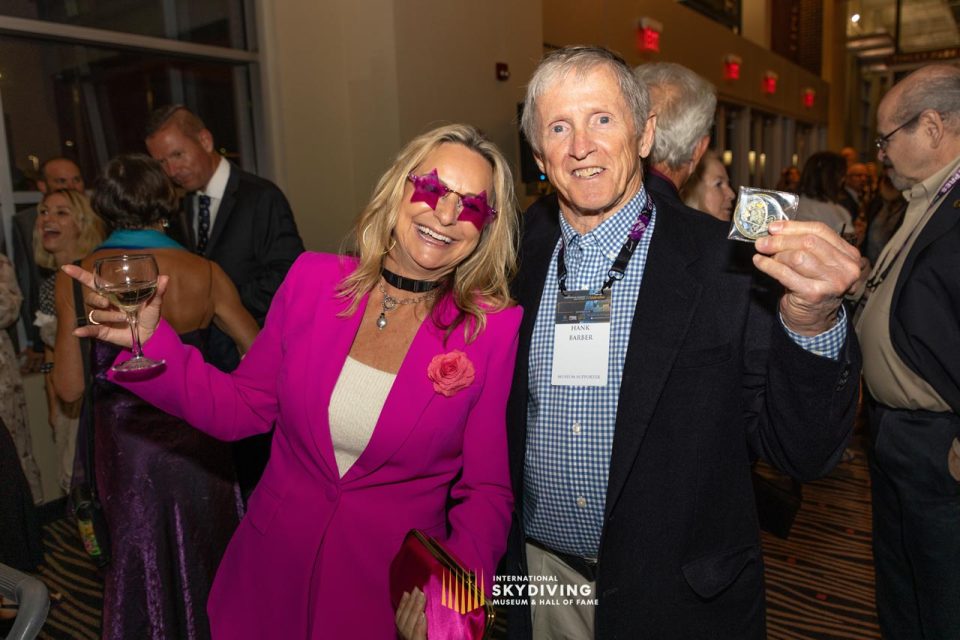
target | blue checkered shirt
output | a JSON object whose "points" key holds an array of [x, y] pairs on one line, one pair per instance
{"points": [[570, 429]]}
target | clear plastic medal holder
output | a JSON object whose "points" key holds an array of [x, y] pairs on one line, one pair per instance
{"points": [[756, 209]]}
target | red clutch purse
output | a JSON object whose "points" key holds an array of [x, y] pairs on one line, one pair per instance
{"points": [[457, 607]]}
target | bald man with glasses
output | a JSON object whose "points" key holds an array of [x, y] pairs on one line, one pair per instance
{"points": [[908, 321]]}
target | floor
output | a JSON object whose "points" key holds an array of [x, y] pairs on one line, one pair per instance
{"points": [[819, 579]]}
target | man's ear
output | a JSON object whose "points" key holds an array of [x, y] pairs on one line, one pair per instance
{"points": [[699, 150], [205, 138], [648, 136], [42, 185], [932, 124]]}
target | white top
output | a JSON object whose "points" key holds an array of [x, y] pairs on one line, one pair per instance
{"points": [[355, 406], [215, 189]]}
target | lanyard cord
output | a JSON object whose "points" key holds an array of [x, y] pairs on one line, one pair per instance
{"points": [[619, 267], [880, 275]]}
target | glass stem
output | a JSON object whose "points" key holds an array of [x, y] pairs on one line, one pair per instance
{"points": [[133, 319]]}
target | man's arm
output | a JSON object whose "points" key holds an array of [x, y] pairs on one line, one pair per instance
{"points": [[801, 389], [277, 244], [800, 406]]}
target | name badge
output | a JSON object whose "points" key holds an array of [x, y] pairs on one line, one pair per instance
{"points": [[581, 339]]}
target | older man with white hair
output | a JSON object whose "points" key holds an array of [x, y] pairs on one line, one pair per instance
{"points": [[648, 377], [685, 104]]}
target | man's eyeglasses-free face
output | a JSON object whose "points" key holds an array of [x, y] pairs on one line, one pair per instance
{"points": [[430, 189], [883, 140]]}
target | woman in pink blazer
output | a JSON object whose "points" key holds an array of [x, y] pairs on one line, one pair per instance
{"points": [[386, 377]]}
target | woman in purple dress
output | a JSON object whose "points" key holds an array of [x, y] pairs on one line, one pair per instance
{"points": [[168, 491]]}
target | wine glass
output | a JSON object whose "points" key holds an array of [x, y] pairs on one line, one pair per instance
{"points": [[129, 282]]}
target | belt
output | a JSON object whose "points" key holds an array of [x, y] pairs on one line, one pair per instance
{"points": [[586, 567]]}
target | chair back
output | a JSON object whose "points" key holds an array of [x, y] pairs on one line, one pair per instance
{"points": [[33, 599]]}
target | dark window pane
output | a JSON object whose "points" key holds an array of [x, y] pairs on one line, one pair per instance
{"points": [[215, 22], [91, 103]]}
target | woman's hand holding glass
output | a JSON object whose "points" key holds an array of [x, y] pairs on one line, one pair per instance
{"points": [[110, 324]]}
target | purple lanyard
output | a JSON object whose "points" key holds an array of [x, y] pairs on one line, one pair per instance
{"points": [[876, 279], [619, 267]]}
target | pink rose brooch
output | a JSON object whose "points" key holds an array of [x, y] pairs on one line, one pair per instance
{"points": [[450, 372]]}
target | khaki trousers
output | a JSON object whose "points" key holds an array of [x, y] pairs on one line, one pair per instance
{"points": [[559, 621]]}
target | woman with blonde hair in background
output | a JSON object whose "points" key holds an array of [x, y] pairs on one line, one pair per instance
{"points": [[67, 229], [708, 189]]}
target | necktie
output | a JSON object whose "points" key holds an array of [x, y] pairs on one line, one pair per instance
{"points": [[203, 222]]}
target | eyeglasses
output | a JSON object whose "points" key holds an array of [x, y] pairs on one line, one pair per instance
{"points": [[429, 189], [883, 141]]}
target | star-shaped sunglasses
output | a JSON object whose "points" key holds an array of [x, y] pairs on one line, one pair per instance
{"points": [[473, 209]]}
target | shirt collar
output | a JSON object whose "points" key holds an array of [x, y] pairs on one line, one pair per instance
{"points": [[927, 189], [218, 181], [610, 234]]}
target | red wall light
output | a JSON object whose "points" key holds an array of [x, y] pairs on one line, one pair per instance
{"points": [[731, 67], [770, 82], [648, 35], [809, 97]]}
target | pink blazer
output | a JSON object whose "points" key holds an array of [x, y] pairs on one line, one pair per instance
{"points": [[311, 557]]}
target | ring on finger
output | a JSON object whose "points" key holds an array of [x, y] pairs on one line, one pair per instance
{"points": [[90, 317]]}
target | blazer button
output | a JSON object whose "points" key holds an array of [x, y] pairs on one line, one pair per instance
{"points": [[332, 493], [844, 376]]}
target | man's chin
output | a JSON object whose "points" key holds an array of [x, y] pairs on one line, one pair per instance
{"points": [[900, 183], [588, 206]]}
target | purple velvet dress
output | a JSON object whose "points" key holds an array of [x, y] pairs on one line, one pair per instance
{"points": [[171, 503]]}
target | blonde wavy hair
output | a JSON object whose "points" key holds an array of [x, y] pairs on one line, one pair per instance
{"points": [[91, 228], [480, 283]]}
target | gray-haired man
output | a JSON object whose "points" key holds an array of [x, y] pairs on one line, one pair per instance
{"points": [[631, 430], [910, 331], [684, 103]]}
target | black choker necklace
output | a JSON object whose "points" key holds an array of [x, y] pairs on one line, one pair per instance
{"points": [[408, 284]]}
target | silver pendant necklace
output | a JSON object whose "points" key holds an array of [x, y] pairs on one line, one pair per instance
{"points": [[389, 303]]}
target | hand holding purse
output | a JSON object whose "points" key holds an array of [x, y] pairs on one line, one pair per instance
{"points": [[456, 605]]}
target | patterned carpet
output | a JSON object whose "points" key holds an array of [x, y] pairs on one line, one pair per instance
{"points": [[69, 573], [819, 580]]}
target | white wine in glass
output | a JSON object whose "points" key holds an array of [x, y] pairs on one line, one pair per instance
{"points": [[128, 282]]}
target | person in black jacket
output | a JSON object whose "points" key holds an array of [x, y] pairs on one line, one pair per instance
{"points": [[909, 327], [236, 219], [630, 456]]}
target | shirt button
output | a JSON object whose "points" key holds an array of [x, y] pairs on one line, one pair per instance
{"points": [[581, 502], [577, 428]]}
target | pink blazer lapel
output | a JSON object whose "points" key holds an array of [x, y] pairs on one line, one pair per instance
{"points": [[328, 351], [411, 394]]}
